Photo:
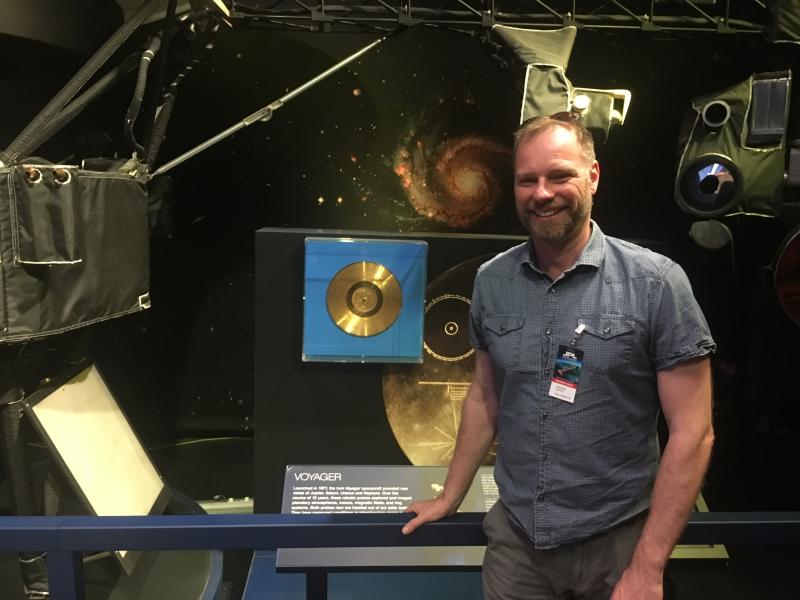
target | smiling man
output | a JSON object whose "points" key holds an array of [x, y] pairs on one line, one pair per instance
{"points": [[588, 509]]}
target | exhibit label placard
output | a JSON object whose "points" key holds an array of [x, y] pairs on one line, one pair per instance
{"points": [[319, 489]]}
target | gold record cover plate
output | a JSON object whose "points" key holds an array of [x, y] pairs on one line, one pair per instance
{"points": [[423, 401], [364, 299]]}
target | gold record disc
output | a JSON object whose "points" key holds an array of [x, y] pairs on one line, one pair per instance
{"points": [[364, 299]]}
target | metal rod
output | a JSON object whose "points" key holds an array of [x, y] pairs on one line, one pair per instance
{"points": [[264, 532], [387, 6], [625, 8], [65, 575], [698, 9], [549, 9], [469, 8], [265, 113]]}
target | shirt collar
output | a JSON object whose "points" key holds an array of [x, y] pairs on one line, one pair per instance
{"points": [[592, 254]]}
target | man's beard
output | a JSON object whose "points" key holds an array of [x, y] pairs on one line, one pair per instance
{"points": [[563, 229]]}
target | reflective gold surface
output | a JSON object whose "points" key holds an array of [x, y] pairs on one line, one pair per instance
{"points": [[364, 299], [423, 401]]}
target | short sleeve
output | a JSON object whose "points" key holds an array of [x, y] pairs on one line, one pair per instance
{"points": [[475, 316], [679, 330]]}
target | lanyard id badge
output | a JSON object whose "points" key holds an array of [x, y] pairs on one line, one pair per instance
{"points": [[567, 370]]}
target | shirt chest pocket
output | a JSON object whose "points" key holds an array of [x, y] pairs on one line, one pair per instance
{"points": [[503, 335], [607, 342]]}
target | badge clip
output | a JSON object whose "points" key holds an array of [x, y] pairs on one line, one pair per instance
{"points": [[578, 331]]}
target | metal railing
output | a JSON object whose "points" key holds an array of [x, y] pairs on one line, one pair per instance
{"points": [[65, 538]]}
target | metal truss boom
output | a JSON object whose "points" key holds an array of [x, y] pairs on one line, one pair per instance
{"points": [[658, 16]]}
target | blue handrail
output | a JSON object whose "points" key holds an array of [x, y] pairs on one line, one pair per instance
{"points": [[63, 538]]}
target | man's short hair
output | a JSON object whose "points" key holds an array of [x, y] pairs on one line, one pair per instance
{"points": [[536, 125]]}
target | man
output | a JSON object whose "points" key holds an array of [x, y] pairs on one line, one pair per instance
{"points": [[586, 509]]}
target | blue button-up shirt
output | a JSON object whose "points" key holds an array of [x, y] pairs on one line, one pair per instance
{"points": [[567, 471]]}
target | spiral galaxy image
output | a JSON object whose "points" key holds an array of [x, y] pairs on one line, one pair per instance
{"points": [[452, 177]]}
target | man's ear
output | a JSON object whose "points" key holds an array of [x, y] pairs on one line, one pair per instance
{"points": [[594, 176]]}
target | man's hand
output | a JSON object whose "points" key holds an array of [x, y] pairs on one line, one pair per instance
{"points": [[427, 511], [475, 435], [637, 585]]}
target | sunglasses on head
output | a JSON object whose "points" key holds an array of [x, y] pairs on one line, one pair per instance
{"points": [[566, 116]]}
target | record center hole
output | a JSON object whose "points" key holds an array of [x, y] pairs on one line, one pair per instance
{"points": [[451, 328], [364, 299]]}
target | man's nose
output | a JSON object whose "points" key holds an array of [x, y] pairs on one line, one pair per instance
{"points": [[541, 190]]}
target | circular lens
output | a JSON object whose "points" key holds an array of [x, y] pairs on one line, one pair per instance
{"points": [[709, 186]]}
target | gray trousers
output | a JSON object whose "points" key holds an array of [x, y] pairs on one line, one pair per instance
{"points": [[588, 570]]}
